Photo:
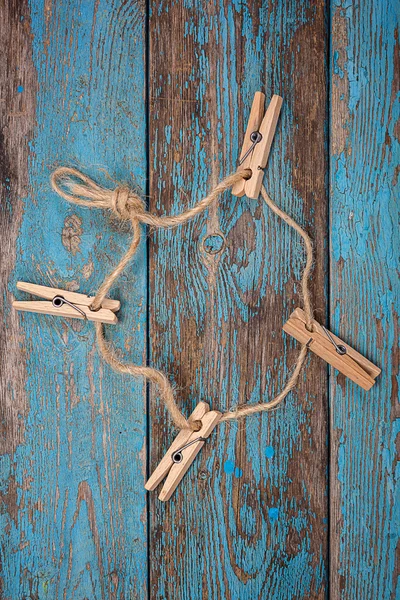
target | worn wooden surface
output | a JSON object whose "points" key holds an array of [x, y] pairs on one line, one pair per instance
{"points": [[157, 95], [364, 299], [73, 504], [253, 512]]}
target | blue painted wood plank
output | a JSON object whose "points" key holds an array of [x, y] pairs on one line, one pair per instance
{"points": [[365, 296], [253, 515], [250, 518], [74, 507]]}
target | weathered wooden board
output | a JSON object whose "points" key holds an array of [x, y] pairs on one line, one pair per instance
{"points": [[364, 299], [250, 518], [73, 505]]}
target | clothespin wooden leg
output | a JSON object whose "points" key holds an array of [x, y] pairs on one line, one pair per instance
{"points": [[259, 157], [181, 439], [62, 303], [255, 118], [196, 441], [332, 349], [257, 144]]}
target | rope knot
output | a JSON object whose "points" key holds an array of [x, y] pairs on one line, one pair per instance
{"points": [[78, 188], [125, 203]]}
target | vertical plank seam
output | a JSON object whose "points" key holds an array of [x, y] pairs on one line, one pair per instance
{"points": [[147, 336], [328, 282]]}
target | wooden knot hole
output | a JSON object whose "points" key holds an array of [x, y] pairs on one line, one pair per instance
{"points": [[213, 243]]}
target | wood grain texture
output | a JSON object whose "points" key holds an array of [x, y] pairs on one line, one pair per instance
{"points": [[17, 120], [250, 518], [73, 505], [365, 297]]}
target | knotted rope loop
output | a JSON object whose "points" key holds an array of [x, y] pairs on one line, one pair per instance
{"points": [[83, 191], [75, 187], [124, 202]]}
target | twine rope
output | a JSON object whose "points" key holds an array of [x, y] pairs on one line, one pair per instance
{"points": [[126, 204]]}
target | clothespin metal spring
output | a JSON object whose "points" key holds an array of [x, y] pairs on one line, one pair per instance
{"points": [[59, 301], [255, 137], [177, 456], [340, 348]]}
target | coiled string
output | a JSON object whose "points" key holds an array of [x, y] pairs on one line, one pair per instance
{"points": [[77, 188]]}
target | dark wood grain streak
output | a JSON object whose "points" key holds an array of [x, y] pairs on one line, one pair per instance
{"points": [[216, 318], [17, 121]]}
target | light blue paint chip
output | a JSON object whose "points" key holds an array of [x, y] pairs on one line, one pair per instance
{"points": [[20, 89], [273, 514], [269, 452], [229, 467], [336, 69]]}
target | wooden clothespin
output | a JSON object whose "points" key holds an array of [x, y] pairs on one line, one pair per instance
{"points": [[66, 304], [183, 451], [257, 144], [333, 350]]}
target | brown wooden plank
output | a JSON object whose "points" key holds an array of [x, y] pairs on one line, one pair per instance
{"points": [[249, 518], [17, 121]]}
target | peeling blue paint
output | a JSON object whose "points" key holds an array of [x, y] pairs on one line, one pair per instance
{"points": [[79, 481], [269, 452], [365, 297], [229, 467], [273, 514], [336, 69]]}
